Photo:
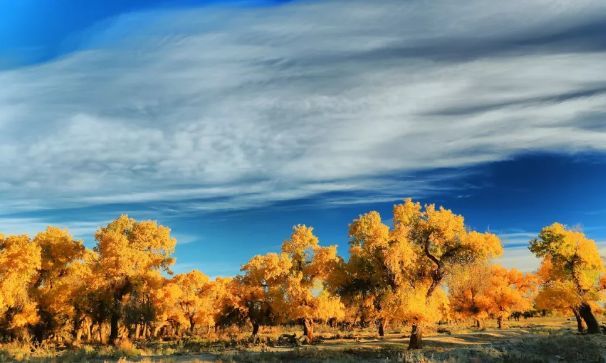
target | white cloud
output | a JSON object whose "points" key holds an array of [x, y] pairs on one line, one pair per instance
{"points": [[525, 261], [519, 258], [81, 230], [241, 107]]}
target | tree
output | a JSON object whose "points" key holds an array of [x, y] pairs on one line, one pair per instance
{"points": [[574, 260], [232, 302], [377, 268], [196, 300], [19, 264], [280, 287], [260, 287], [466, 286], [506, 290], [217, 294], [330, 308], [310, 267], [397, 272], [440, 242], [128, 251], [58, 279], [556, 294]]}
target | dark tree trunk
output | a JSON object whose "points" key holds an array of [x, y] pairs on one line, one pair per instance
{"points": [[478, 324], [592, 324], [500, 322], [114, 327], [308, 329], [255, 329], [332, 322], [116, 311], [577, 316], [382, 324], [416, 337]]}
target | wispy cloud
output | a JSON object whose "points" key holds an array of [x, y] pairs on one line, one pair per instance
{"points": [[213, 108], [519, 258], [516, 239]]}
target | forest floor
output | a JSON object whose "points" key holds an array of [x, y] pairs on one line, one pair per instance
{"points": [[533, 340]]}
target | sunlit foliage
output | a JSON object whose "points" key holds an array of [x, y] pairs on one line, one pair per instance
{"points": [[396, 273], [423, 267], [571, 269]]}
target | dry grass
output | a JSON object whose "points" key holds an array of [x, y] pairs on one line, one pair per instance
{"points": [[532, 340]]}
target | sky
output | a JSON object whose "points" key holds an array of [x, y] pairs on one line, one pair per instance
{"points": [[232, 121]]}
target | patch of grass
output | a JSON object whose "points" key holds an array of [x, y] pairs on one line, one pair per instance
{"points": [[538, 340]]}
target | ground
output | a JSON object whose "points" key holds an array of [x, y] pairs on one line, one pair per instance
{"points": [[551, 339]]}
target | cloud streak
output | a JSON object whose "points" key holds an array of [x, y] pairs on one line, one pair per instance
{"points": [[213, 108]]}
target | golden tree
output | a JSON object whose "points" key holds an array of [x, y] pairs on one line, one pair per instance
{"points": [[440, 242], [574, 260], [506, 291], [280, 287], [234, 298], [58, 280], [560, 296], [310, 267], [19, 264], [168, 317], [260, 289], [138, 305], [397, 272], [129, 251], [217, 295], [196, 300], [377, 267], [466, 285], [330, 308]]}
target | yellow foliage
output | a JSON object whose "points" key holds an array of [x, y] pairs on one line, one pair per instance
{"points": [[396, 274], [569, 256], [507, 290], [19, 263], [127, 247], [52, 285]]}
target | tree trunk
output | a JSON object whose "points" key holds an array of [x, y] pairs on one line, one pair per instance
{"points": [[500, 322], [382, 324], [308, 329], [114, 327], [100, 332], [478, 324], [416, 337], [77, 337], [332, 322], [577, 316], [77, 330], [592, 324], [255, 329]]}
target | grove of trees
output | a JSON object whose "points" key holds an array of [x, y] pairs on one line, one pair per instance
{"points": [[424, 267]]}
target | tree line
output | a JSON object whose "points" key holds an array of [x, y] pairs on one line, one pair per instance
{"points": [[427, 267]]}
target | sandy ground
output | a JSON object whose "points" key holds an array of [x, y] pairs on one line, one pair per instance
{"points": [[458, 338]]}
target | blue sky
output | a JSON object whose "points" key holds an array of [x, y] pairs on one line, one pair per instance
{"points": [[232, 121]]}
